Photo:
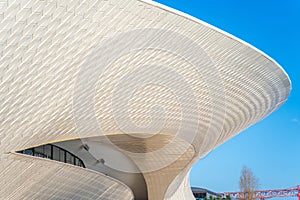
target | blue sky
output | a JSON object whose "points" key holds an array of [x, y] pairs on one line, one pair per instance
{"points": [[271, 148]]}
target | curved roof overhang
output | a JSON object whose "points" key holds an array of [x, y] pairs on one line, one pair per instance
{"points": [[80, 69]]}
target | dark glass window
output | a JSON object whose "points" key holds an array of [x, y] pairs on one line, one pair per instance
{"points": [[47, 151], [76, 161], [69, 158], [80, 164], [62, 155], [39, 151], [28, 152], [54, 153]]}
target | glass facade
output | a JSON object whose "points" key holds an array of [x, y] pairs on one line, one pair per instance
{"points": [[53, 152]]}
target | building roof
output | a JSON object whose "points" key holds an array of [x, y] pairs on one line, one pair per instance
{"points": [[196, 190], [157, 86]]}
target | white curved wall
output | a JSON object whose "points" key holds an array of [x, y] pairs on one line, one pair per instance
{"points": [[135, 181], [27, 177], [176, 86]]}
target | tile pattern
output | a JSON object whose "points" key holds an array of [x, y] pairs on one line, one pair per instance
{"points": [[206, 85]]}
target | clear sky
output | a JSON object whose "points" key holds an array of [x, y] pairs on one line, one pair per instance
{"points": [[271, 148]]}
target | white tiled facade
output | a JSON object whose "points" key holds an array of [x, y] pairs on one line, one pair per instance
{"points": [[76, 69]]}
